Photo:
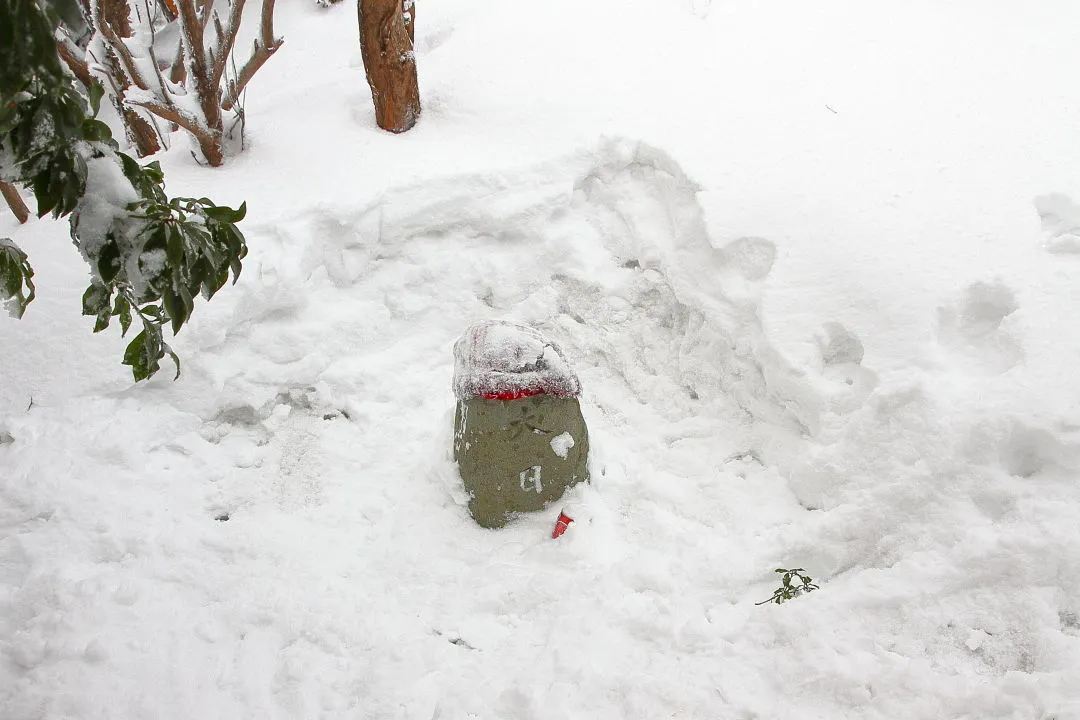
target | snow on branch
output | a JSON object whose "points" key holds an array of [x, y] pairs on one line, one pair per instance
{"points": [[265, 46], [199, 89]]}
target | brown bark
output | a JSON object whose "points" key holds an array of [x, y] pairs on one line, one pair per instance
{"points": [[118, 15], [209, 141], [204, 68], [14, 201], [141, 133], [116, 22], [178, 71], [117, 46], [206, 90], [71, 54], [387, 50]]}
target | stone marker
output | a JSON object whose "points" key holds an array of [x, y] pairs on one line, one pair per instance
{"points": [[519, 438]]}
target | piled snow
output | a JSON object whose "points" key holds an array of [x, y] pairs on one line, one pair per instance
{"points": [[796, 259], [499, 357]]}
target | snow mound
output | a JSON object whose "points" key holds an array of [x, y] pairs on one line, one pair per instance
{"points": [[209, 541]]}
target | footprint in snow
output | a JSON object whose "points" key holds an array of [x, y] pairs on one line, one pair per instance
{"points": [[977, 327], [841, 352]]}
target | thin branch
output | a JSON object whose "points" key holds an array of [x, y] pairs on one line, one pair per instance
{"points": [[265, 46], [191, 27], [229, 37], [162, 88], [117, 91], [70, 53], [14, 201], [173, 114], [205, 90], [164, 92], [119, 47], [219, 32], [179, 69], [205, 12]]}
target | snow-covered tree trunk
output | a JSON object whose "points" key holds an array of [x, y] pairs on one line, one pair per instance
{"points": [[201, 80], [387, 49]]}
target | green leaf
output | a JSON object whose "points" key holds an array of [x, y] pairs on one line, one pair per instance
{"points": [[97, 91], [144, 352], [123, 310], [174, 246], [16, 274], [175, 308], [219, 282], [108, 261], [225, 214], [43, 194], [135, 356], [134, 349], [153, 172], [132, 169], [95, 131], [96, 299]]}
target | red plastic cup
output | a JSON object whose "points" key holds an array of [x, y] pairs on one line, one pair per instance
{"points": [[561, 524]]}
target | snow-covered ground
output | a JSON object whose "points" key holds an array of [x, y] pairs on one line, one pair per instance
{"points": [[816, 265]]}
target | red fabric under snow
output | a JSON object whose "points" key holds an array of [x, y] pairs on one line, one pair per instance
{"points": [[511, 395]]}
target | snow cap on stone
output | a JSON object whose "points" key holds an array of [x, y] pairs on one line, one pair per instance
{"points": [[496, 357]]}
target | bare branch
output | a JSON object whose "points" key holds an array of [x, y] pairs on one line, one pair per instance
{"points": [[117, 91], [163, 89], [209, 140], [265, 46], [191, 27], [173, 114], [179, 70], [70, 53], [14, 201], [206, 89], [219, 30], [118, 46], [205, 7], [227, 38]]}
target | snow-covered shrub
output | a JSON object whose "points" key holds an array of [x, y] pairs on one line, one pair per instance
{"points": [[149, 255], [175, 64]]}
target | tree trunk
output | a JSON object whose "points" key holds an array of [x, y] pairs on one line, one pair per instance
{"points": [[387, 50], [206, 88], [14, 201], [141, 133]]}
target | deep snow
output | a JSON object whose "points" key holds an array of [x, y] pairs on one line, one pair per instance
{"points": [[816, 269]]}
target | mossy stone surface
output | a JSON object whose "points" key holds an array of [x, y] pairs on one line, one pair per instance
{"points": [[518, 455]]}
